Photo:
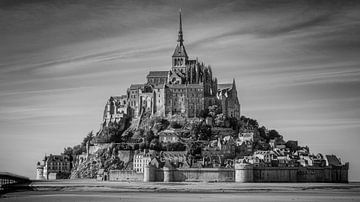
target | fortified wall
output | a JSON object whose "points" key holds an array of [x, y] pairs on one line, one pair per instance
{"points": [[242, 173]]}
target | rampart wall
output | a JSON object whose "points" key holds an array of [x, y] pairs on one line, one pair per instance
{"points": [[248, 173], [125, 175]]}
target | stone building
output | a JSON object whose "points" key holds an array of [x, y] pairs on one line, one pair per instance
{"points": [[140, 161], [187, 89], [56, 166], [168, 136], [229, 103], [116, 108]]}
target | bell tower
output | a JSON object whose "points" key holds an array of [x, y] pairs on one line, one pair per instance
{"points": [[180, 57]]}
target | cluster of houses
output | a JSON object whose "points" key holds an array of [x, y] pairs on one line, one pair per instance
{"points": [[223, 152], [226, 150]]}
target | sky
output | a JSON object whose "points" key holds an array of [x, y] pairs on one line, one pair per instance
{"points": [[296, 66]]}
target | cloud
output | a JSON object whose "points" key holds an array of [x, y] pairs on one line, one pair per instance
{"points": [[295, 62]]}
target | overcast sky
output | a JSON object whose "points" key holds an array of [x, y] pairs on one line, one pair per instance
{"points": [[296, 65]]}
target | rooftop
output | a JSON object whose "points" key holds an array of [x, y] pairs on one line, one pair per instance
{"points": [[224, 86], [158, 74], [136, 86]]}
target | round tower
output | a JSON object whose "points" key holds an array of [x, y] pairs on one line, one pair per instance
{"points": [[167, 174], [244, 172], [149, 173], [39, 171]]}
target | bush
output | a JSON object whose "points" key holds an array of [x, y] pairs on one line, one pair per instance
{"points": [[175, 125]]}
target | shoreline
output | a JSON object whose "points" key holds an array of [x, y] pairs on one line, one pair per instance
{"points": [[187, 187]]}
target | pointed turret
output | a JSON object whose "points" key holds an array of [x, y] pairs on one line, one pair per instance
{"points": [[233, 84], [180, 35], [180, 56]]}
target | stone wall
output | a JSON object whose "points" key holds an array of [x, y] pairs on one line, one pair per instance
{"points": [[192, 175], [125, 175], [301, 174], [248, 173], [203, 174]]}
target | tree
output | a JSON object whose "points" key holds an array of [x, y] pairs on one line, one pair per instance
{"points": [[149, 135], [214, 110], [142, 146], [136, 147], [273, 134], [204, 113], [204, 132], [249, 123], [220, 120], [155, 144], [89, 137], [77, 150], [262, 132], [195, 149], [175, 125], [68, 151]]}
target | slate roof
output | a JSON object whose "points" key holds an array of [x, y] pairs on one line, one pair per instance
{"points": [[158, 74], [136, 86], [224, 86], [180, 51], [119, 97]]}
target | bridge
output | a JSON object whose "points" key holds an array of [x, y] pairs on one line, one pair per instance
{"points": [[9, 181]]}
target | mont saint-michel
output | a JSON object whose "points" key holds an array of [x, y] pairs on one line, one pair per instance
{"points": [[182, 125]]}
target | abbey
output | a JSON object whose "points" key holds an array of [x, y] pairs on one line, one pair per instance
{"points": [[187, 89]]}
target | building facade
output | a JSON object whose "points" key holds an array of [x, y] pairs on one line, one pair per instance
{"points": [[140, 161], [187, 89], [55, 166]]}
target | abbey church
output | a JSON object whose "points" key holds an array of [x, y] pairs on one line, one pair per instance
{"points": [[187, 89]]}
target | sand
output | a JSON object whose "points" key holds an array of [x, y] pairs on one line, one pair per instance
{"points": [[89, 190]]}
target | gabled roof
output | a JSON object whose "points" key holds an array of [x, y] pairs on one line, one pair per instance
{"points": [[136, 86], [333, 160], [158, 74], [180, 51], [224, 86], [119, 97]]}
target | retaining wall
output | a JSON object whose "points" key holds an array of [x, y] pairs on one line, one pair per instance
{"points": [[124, 175]]}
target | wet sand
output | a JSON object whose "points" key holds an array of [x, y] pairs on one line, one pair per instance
{"points": [[86, 190], [61, 196]]}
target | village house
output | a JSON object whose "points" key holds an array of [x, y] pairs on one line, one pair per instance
{"points": [[168, 136], [140, 160], [56, 166]]}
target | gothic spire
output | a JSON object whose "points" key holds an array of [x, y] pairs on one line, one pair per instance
{"points": [[180, 36], [180, 48]]}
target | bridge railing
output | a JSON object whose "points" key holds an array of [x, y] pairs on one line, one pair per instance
{"points": [[8, 181]]}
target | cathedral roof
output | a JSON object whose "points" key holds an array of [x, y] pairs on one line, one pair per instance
{"points": [[158, 74], [136, 86], [224, 86], [180, 51]]}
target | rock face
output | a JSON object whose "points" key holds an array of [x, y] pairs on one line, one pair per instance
{"points": [[107, 159]]}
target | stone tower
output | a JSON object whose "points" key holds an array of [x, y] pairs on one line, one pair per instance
{"points": [[39, 171], [179, 58]]}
